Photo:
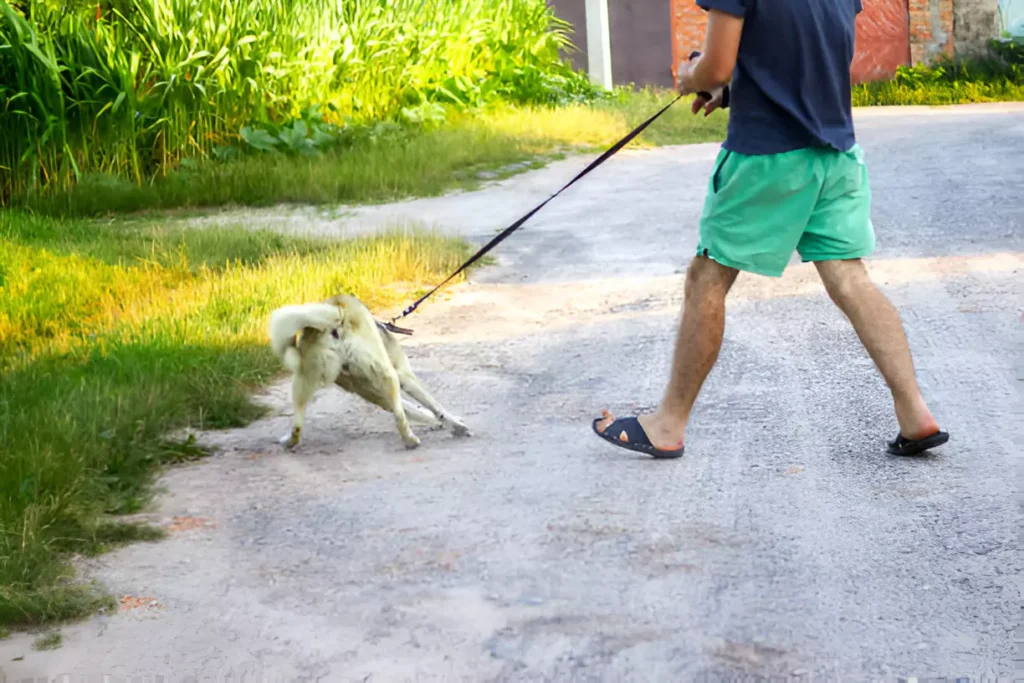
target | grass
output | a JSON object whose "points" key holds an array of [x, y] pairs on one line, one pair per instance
{"points": [[112, 336], [396, 164], [390, 162], [132, 87], [996, 79], [49, 641]]}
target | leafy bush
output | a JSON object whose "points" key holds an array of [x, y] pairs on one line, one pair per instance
{"points": [[994, 79], [1008, 50]]}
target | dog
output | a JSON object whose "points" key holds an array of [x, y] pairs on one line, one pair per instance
{"points": [[339, 342]]}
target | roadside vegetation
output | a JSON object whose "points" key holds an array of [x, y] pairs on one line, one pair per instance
{"points": [[122, 105], [115, 335], [996, 78], [388, 161]]}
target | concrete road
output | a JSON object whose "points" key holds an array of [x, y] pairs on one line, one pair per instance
{"points": [[785, 543]]}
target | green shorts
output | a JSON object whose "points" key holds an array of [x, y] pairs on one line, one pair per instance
{"points": [[760, 208]]}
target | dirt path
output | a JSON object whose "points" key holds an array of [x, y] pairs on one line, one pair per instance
{"points": [[784, 543]]}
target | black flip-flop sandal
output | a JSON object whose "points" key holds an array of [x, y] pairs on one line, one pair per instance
{"points": [[904, 446], [635, 438]]}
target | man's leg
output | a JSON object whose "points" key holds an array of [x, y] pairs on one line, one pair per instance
{"points": [[754, 214], [697, 345], [881, 331]]}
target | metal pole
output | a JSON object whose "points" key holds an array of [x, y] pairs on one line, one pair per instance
{"points": [[599, 44]]}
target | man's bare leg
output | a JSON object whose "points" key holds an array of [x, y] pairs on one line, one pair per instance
{"points": [[697, 346], [881, 331]]}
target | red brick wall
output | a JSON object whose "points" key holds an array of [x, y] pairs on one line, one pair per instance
{"points": [[688, 22], [882, 42]]}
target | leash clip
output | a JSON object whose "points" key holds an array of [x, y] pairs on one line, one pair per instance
{"points": [[392, 327]]}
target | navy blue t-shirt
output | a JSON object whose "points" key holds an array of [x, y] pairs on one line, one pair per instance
{"points": [[791, 86]]}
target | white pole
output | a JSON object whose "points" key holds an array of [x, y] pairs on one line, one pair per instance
{"points": [[599, 44]]}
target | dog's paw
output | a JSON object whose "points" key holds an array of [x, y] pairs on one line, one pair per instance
{"points": [[411, 442], [289, 440], [459, 429]]}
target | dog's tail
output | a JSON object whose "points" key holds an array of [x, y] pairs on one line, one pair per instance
{"points": [[288, 321]]}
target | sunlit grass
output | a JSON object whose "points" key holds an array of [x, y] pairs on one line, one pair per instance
{"points": [[112, 336], [947, 82]]}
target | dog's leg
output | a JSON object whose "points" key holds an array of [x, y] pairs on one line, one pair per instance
{"points": [[411, 385], [302, 392], [417, 414], [397, 407]]}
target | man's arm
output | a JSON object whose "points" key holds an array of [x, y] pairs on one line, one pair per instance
{"points": [[714, 67]]}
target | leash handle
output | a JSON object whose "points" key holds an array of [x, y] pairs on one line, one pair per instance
{"points": [[500, 237]]}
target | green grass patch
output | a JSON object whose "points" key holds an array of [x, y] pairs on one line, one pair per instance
{"points": [[395, 164], [112, 337], [676, 127], [966, 82], [48, 641]]}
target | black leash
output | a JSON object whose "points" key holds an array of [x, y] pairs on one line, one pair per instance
{"points": [[500, 237]]}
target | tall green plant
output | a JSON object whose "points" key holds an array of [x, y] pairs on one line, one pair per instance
{"points": [[130, 87]]}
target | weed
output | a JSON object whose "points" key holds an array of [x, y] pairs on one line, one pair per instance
{"points": [[49, 641]]}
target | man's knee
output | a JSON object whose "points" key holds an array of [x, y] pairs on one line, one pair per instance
{"points": [[843, 279], [708, 276]]}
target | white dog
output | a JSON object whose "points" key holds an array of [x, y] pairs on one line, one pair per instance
{"points": [[339, 342]]}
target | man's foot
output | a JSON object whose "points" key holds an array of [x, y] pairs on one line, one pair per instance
{"points": [[630, 433], [915, 420], [901, 445]]}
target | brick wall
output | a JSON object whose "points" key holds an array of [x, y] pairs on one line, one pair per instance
{"points": [[930, 33], [688, 23], [931, 30]]}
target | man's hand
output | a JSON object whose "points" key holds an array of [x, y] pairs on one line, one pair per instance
{"points": [[684, 84], [716, 101], [683, 74], [687, 74]]}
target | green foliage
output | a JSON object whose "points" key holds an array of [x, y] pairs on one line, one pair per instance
{"points": [[49, 641], [384, 161], [1008, 50], [998, 78], [132, 87]]}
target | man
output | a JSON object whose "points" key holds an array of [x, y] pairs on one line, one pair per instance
{"points": [[789, 176]]}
